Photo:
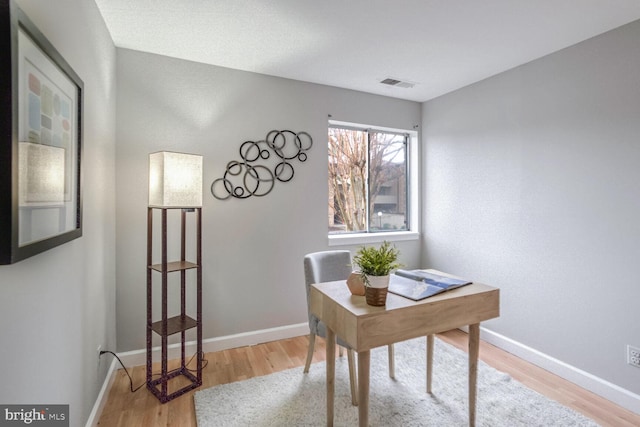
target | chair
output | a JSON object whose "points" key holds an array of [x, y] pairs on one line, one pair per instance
{"points": [[328, 266]]}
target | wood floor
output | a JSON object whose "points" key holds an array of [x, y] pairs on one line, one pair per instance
{"points": [[125, 409]]}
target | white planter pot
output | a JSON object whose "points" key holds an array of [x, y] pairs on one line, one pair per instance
{"points": [[379, 281]]}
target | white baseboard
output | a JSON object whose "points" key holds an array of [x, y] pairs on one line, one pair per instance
{"points": [[603, 388], [139, 357], [94, 417]]}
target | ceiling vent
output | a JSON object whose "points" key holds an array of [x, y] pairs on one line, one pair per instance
{"points": [[397, 83]]}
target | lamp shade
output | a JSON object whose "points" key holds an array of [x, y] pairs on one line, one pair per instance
{"points": [[175, 180]]}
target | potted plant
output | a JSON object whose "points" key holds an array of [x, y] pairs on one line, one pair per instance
{"points": [[375, 265]]}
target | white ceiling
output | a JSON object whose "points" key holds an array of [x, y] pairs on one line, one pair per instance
{"points": [[440, 45]]}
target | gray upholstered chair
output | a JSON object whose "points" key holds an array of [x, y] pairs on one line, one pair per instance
{"points": [[328, 266]]}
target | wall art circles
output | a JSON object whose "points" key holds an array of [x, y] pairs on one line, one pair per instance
{"points": [[262, 163]]}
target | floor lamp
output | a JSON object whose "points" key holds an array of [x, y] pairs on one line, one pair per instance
{"points": [[175, 183]]}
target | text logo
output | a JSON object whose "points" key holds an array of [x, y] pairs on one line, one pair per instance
{"points": [[37, 415]]}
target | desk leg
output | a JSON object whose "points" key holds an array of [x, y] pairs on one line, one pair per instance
{"points": [[330, 342], [474, 349], [429, 362], [363, 388]]}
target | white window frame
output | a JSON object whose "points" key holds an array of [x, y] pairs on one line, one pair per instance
{"points": [[413, 233]]}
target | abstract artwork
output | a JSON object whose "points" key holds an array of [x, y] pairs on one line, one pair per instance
{"points": [[261, 164], [40, 194], [48, 118]]}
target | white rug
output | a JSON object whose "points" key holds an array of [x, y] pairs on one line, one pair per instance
{"points": [[291, 398]]}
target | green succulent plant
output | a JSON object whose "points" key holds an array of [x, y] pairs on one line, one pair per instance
{"points": [[374, 261]]}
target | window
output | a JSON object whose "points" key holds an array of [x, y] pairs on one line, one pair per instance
{"points": [[369, 180]]}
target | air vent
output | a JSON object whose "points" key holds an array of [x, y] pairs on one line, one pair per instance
{"points": [[397, 83]]}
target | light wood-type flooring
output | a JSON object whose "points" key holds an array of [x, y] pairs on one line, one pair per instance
{"points": [[125, 409]]}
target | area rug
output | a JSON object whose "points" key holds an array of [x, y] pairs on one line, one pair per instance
{"points": [[291, 398]]}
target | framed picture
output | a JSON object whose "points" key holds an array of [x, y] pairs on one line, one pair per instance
{"points": [[41, 147]]}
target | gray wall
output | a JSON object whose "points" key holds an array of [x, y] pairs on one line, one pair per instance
{"points": [[532, 184], [58, 306], [252, 249]]}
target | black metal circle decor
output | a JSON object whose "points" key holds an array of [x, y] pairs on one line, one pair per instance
{"points": [[245, 178]]}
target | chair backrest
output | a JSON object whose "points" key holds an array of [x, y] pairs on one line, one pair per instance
{"points": [[325, 266]]}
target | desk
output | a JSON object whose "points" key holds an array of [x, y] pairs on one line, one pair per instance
{"points": [[365, 327]]}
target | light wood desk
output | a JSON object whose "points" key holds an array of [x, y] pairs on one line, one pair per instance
{"points": [[365, 327]]}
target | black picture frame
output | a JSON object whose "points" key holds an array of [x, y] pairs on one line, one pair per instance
{"points": [[41, 136]]}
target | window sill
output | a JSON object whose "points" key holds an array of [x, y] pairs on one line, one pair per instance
{"points": [[361, 239]]}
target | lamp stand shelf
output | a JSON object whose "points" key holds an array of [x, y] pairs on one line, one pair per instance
{"points": [[167, 326]]}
